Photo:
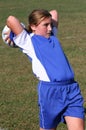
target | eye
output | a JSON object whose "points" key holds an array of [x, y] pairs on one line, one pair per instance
{"points": [[46, 24], [51, 24]]}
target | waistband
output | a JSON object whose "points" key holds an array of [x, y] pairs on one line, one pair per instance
{"points": [[66, 82]]}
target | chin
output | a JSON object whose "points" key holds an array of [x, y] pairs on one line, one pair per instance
{"points": [[47, 36]]}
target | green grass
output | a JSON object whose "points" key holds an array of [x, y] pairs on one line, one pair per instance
{"points": [[18, 91]]}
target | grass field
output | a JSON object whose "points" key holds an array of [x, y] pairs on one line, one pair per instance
{"points": [[18, 96]]}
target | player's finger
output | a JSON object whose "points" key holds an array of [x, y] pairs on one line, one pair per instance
{"points": [[9, 41], [7, 33], [7, 38]]}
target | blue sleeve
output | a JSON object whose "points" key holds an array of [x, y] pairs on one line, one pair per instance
{"points": [[11, 35]]}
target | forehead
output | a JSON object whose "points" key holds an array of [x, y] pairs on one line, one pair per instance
{"points": [[46, 20]]}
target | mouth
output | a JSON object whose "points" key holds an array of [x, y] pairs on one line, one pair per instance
{"points": [[49, 33]]}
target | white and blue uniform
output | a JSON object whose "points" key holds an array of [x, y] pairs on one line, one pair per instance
{"points": [[59, 94], [48, 64]]}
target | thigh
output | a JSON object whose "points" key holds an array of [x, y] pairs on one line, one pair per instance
{"points": [[74, 123], [51, 105]]}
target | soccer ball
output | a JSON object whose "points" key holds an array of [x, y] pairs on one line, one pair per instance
{"points": [[6, 30], [4, 36]]}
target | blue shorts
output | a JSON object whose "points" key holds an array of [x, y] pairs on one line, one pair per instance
{"points": [[57, 100]]}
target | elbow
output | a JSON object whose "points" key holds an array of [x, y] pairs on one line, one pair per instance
{"points": [[9, 20]]}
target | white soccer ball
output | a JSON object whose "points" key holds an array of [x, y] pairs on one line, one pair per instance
{"points": [[5, 35], [6, 30]]}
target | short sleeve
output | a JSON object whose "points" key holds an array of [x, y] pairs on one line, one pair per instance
{"points": [[23, 41]]}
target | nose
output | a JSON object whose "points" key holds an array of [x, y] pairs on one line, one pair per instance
{"points": [[49, 27]]}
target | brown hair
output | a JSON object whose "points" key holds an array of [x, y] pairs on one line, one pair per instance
{"points": [[36, 17]]}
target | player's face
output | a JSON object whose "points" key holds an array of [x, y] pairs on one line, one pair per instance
{"points": [[43, 28]]}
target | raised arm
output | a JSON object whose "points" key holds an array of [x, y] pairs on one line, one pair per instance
{"points": [[55, 18], [14, 24]]}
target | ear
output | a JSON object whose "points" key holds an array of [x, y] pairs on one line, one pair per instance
{"points": [[33, 27]]}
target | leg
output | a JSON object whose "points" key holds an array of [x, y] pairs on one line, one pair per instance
{"points": [[74, 123], [46, 129]]}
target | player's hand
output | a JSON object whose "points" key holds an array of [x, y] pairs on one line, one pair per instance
{"points": [[7, 36], [10, 42]]}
